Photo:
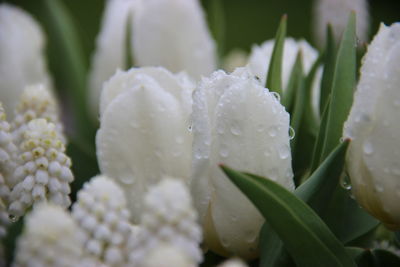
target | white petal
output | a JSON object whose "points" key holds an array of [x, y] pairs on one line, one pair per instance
{"points": [[144, 136], [22, 62], [336, 13], [173, 34], [110, 47], [247, 129], [372, 125]]}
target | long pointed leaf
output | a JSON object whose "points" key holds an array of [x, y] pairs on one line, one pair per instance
{"points": [[306, 237], [274, 76], [344, 80], [318, 189], [329, 68]]}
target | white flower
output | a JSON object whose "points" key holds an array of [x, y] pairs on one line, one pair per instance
{"points": [[8, 153], [173, 34], [233, 263], [36, 101], [49, 239], [166, 256], [168, 219], [241, 124], [110, 53], [374, 152], [101, 213], [168, 33], [21, 52], [260, 58], [143, 131], [43, 170], [336, 13], [235, 59]]}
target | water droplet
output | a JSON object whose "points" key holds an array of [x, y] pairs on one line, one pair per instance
{"points": [[379, 188], [235, 129], [127, 180], [190, 128], [273, 174], [277, 96], [220, 130], [345, 181], [224, 151], [260, 128], [234, 218], [284, 151], [368, 148], [225, 243], [272, 131], [13, 218], [292, 133]]}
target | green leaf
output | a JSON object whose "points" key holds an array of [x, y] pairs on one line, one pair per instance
{"points": [[319, 188], [14, 230], [298, 108], [374, 257], [345, 218], [329, 68], [306, 237], [272, 250], [216, 16], [63, 28], [317, 154], [129, 60], [274, 76], [344, 80], [295, 76]]}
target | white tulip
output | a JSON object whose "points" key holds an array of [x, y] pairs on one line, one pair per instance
{"points": [[173, 34], [110, 53], [260, 58], [336, 13], [241, 124], [374, 152], [21, 51], [143, 133]]}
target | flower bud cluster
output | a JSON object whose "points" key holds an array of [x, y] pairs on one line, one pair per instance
{"points": [[35, 102], [50, 238], [104, 221], [168, 218], [7, 155], [43, 170]]}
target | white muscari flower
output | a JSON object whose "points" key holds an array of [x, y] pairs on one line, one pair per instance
{"points": [[22, 62], [173, 34], [241, 124], [233, 263], [102, 215], [336, 13], [35, 102], [168, 219], [49, 239], [8, 152], [373, 155], [143, 131], [260, 58], [110, 53], [43, 170], [165, 255]]}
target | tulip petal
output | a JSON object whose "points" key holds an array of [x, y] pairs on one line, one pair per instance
{"points": [[22, 63], [173, 34], [143, 137], [110, 47], [239, 123]]}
